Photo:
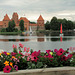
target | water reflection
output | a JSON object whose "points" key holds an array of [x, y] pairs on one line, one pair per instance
{"points": [[39, 41], [40, 37], [61, 38]]}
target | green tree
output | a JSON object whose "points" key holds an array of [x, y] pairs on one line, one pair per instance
{"points": [[47, 25], [21, 24], [11, 26], [54, 24], [70, 25]]}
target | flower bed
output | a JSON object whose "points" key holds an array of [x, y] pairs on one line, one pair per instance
{"points": [[28, 59]]}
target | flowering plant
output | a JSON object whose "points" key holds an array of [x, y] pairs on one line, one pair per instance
{"points": [[24, 58]]}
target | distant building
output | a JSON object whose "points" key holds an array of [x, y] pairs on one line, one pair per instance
{"points": [[38, 26]]}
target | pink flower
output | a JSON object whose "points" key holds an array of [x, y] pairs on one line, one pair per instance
{"points": [[28, 58], [60, 52], [27, 54], [16, 67], [26, 49], [7, 69], [14, 46], [32, 57], [21, 45]]}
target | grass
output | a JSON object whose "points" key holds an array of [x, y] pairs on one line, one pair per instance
{"points": [[10, 33]]}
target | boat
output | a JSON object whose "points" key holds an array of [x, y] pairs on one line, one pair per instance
{"points": [[61, 34]]}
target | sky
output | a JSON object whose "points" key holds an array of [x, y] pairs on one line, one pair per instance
{"points": [[33, 8]]}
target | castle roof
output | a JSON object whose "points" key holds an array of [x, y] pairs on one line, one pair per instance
{"points": [[24, 19], [15, 14], [40, 18], [1, 22], [6, 17]]}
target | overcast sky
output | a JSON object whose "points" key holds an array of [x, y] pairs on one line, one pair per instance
{"points": [[33, 8]]}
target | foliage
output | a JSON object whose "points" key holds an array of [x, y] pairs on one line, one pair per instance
{"points": [[3, 30], [11, 26], [33, 22], [21, 24], [55, 23], [29, 59], [47, 25]]}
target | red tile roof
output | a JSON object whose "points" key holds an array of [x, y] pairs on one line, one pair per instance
{"points": [[24, 19], [33, 24], [6, 18], [40, 18], [1, 22], [15, 13]]}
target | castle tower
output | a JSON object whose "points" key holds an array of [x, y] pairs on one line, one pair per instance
{"points": [[5, 21], [40, 23], [15, 17]]}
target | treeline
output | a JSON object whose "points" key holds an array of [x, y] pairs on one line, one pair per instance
{"points": [[12, 27], [55, 23]]}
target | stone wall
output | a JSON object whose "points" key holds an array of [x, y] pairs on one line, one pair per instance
{"points": [[44, 71]]}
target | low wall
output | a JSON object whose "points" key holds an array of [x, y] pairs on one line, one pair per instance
{"points": [[44, 71]]}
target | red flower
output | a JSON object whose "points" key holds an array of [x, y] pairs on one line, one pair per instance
{"points": [[48, 51], [60, 52], [69, 56], [5, 53], [35, 59], [63, 58], [7, 69], [13, 53], [21, 53], [55, 50], [35, 53], [48, 56]]}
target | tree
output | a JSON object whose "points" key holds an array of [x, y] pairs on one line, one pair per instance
{"points": [[11, 26], [70, 25], [13, 23], [21, 24], [54, 24], [47, 25]]}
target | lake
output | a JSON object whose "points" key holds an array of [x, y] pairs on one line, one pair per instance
{"points": [[40, 41]]}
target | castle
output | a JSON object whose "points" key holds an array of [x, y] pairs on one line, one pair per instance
{"points": [[37, 26]]}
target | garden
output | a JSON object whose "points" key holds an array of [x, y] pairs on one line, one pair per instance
{"points": [[25, 58]]}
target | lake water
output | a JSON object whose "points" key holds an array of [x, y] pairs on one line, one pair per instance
{"points": [[40, 41]]}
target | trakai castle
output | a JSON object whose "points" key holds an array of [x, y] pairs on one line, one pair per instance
{"points": [[39, 25]]}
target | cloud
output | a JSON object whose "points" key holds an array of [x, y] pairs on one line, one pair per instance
{"points": [[33, 8]]}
